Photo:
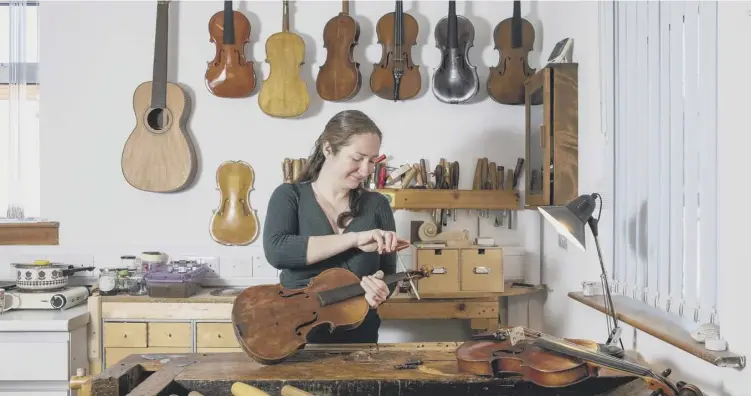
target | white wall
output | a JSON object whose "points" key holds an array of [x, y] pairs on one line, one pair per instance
{"points": [[564, 270], [94, 54]]}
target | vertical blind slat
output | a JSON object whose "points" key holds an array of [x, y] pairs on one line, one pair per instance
{"points": [[691, 154], [653, 151], [676, 151], [641, 140], [632, 124], [664, 165], [621, 202], [708, 261]]}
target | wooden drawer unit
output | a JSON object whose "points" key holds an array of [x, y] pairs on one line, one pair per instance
{"points": [[460, 271], [215, 335]]}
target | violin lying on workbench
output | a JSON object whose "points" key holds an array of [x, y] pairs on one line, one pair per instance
{"points": [[553, 362], [272, 323]]}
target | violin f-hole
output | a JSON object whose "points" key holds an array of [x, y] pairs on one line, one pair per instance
{"points": [[283, 294], [297, 329]]}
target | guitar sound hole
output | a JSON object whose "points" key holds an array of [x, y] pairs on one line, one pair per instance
{"points": [[158, 119]]}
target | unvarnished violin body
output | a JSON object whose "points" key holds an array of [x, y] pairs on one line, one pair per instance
{"points": [[271, 322], [554, 362], [230, 74], [396, 77], [514, 38], [339, 77], [456, 80], [234, 222]]}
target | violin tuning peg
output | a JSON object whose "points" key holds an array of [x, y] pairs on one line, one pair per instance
{"points": [[666, 372]]}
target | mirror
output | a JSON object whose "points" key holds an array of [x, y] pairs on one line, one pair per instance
{"points": [[536, 128]]}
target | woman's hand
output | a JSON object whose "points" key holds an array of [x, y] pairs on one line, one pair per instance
{"points": [[376, 240], [376, 291]]}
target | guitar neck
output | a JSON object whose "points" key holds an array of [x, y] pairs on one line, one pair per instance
{"points": [[399, 24], [516, 25], [453, 34], [229, 23], [285, 16], [159, 78]]}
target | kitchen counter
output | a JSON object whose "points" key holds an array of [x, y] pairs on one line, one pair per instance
{"points": [[203, 296], [44, 319]]}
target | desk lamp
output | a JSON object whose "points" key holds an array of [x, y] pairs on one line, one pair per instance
{"points": [[569, 221]]}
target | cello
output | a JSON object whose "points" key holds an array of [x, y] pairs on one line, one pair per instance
{"points": [[234, 222], [230, 74], [553, 362], [339, 77], [456, 80], [271, 322], [514, 38], [395, 77]]}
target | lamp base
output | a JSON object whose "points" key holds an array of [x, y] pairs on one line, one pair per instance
{"points": [[612, 350]]}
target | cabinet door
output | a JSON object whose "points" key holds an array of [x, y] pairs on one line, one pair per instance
{"points": [[35, 361], [537, 125]]}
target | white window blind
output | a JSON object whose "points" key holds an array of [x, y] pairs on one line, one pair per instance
{"points": [[660, 101], [19, 106]]}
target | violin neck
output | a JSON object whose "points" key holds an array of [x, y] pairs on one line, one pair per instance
{"points": [[345, 7], [453, 34], [343, 293], [285, 16], [516, 25], [399, 24], [229, 23]]}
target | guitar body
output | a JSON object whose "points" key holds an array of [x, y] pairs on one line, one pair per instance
{"points": [[271, 322], [159, 155], [339, 78], [284, 93], [230, 74], [382, 79], [506, 80], [234, 222], [456, 80]]}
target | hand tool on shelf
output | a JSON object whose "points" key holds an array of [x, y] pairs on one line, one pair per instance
{"points": [[454, 177]]}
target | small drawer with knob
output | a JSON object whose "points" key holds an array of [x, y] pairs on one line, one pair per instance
{"points": [[169, 334], [215, 335], [125, 334], [482, 269]]}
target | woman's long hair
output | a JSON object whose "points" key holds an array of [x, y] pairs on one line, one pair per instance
{"points": [[337, 133]]}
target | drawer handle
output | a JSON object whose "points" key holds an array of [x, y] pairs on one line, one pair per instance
{"points": [[440, 270], [481, 270], [169, 335], [218, 336], [125, 335]]}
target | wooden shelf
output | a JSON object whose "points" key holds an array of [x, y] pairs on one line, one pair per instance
{"points": [[414, 198], [660, 326], [41, 233]]}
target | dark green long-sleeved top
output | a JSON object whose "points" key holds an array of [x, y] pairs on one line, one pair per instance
{"points": [[294, 215]]}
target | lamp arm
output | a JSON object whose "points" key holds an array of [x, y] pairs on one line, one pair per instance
{"points": [[615, 336]]}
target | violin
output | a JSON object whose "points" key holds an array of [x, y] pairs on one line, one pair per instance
{"points": [[456, 80], [395, 77], [554, 362], [230, 75], [271, 322], [514, 38], [339, 78], [234, 222], [284, 93]]}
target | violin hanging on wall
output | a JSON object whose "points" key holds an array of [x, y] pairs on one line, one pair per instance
{"points": [[456, 80], [514, 38], [395, 77], [234, 222], [284, 93], [339, 78], [229, 74]]}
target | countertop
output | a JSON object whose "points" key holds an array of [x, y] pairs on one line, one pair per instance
{"points": [[44, 319]]}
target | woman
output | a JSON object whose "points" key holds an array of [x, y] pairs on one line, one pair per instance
{"points": [[326, 219]]}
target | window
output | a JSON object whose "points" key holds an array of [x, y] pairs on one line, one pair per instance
{"points": [[19, 106], [659, 70]]}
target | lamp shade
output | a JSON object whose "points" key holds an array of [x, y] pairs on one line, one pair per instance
{"points": [[570, 220]]}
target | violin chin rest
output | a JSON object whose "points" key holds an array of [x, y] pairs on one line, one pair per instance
{"points": [[612, 350]]}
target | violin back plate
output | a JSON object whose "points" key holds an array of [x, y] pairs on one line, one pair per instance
{"points": [[456, 80], [339, 78], [284, 93]]}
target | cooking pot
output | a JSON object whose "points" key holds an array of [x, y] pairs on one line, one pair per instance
{"points": [[43, 275]]}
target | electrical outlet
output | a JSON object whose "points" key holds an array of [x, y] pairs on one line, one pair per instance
{"points": [[211, 262], [241, 267], [262, 268], [562, 242]]}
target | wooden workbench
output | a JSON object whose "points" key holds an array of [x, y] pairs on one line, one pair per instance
{"points": [[355, 369], [122, 325]]}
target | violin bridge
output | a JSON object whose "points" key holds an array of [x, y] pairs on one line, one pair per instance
{"points": [[516, 334]]}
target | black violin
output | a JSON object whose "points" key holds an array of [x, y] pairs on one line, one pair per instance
{"points": [[456, 80]]}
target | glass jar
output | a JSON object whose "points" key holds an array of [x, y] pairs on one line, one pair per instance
{"points": [[108, 281], [128, 262]]}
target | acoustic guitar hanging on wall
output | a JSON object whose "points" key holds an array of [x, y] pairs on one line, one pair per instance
{"points": [[159, 155], [284, 93], [234, 222]]}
